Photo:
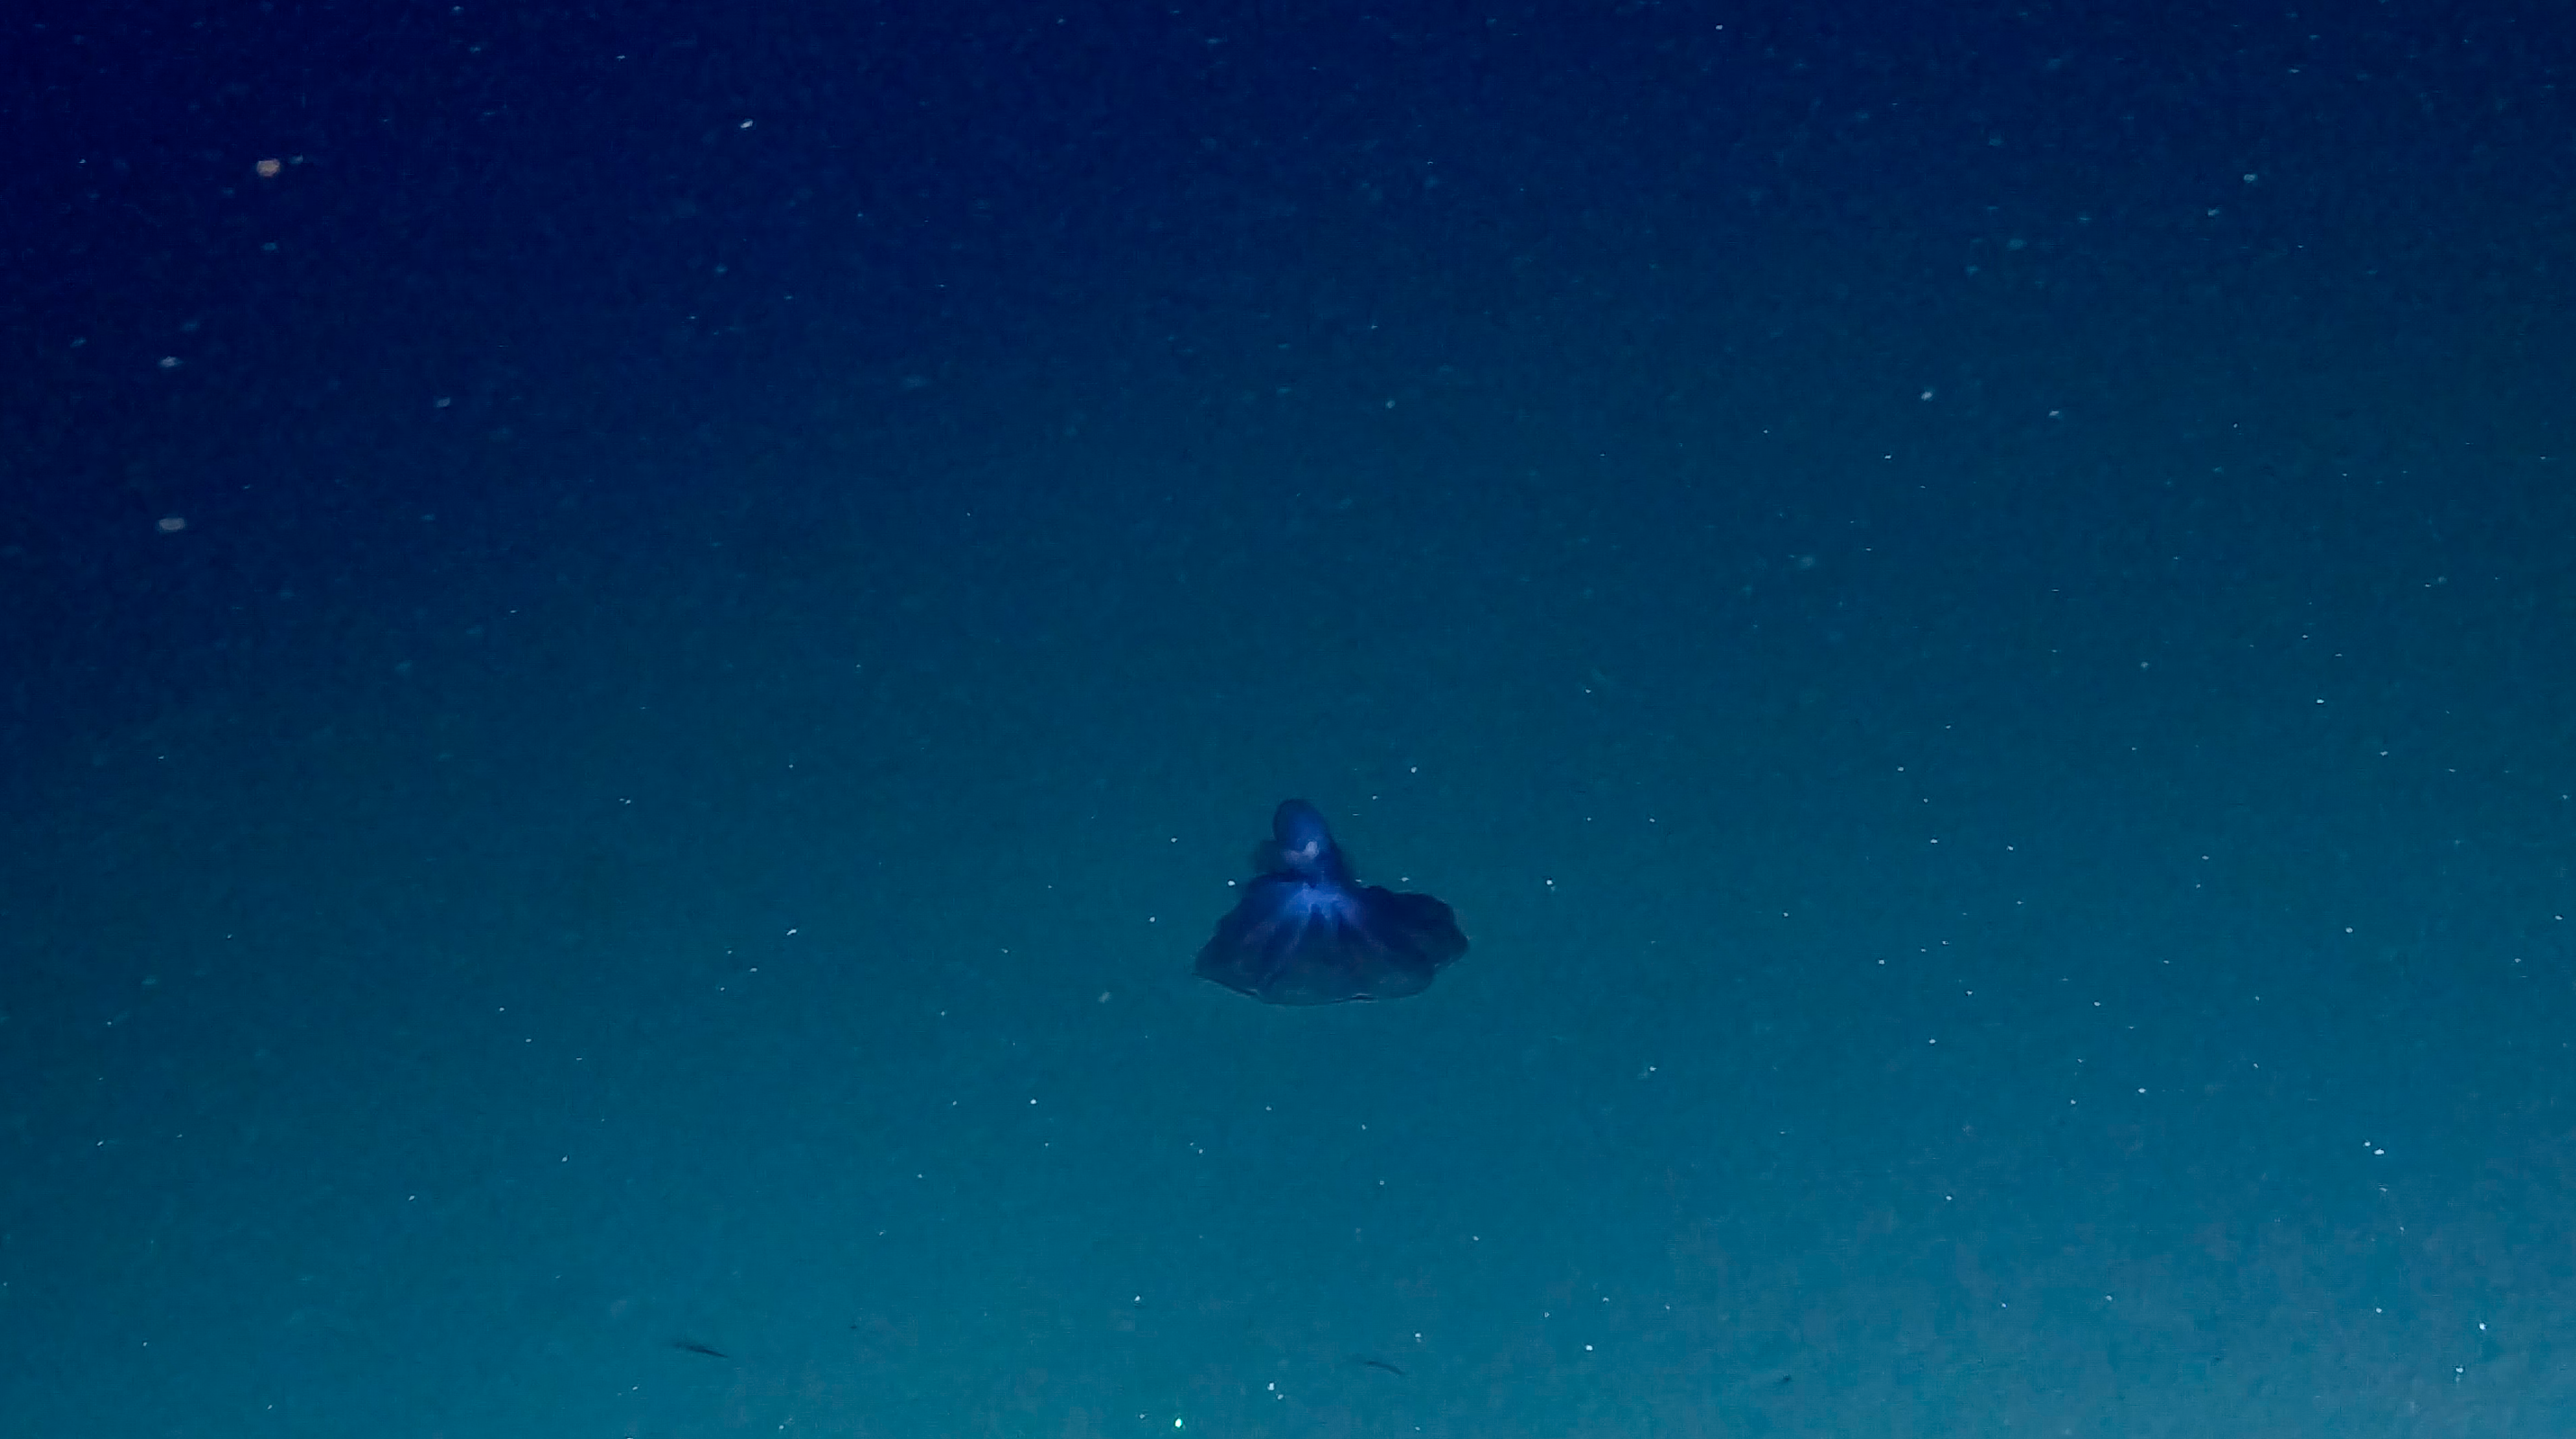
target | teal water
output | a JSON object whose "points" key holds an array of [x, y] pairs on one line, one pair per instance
{"points": [[1974, 622]]}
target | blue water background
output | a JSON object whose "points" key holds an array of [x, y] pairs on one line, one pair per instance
{"points": [[1972, 607]]}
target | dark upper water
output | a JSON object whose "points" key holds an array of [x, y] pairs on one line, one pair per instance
{"points": [[637, 643]]}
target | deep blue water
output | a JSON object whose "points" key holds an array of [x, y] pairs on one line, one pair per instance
{"points": [[629, 679]]}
